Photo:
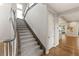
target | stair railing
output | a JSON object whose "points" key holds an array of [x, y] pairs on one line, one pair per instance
{"points": [[28, 7], [10, 44]]}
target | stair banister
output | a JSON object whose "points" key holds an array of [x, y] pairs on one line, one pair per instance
{"points": [[9, 47], [28, 8]]}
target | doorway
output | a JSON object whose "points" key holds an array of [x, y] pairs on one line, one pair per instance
{"points": [[19, 10]]}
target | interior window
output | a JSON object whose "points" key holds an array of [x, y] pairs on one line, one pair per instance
{"points": [[19, 14], [19, 6], [19, 11]]}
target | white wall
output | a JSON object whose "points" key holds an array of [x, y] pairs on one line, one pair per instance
{"points": [[5, 26], [50, 30], [56, 30], [55, 25], [37, 19]]}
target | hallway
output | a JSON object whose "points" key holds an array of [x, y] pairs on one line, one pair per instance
{"points": [[67, 47]]}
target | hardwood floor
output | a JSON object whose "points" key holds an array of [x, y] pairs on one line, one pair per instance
{"points": [[1, 49], [68, 46]]}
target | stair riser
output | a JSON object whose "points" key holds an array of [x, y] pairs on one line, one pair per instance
{"points": [[28, 44], [25, 37], [31, 49], [27, 40], [22, 28], [25, 34], [36, 52], [20, 25]]}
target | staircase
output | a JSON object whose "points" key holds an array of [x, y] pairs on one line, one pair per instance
{"points": [[28, 44]]}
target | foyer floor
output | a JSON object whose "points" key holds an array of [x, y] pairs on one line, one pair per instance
{"points": [[69, 46], [1, 49]]}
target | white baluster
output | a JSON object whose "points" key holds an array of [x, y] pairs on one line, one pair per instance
{"points": [[8, 48], [4, 49], [13, 48]]}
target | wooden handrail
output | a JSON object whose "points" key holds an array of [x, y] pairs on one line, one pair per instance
{"points": [[9, 41], [14, 28], [26, 10]]}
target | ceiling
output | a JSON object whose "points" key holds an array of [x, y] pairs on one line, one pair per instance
{"points": [[69, 10]]}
